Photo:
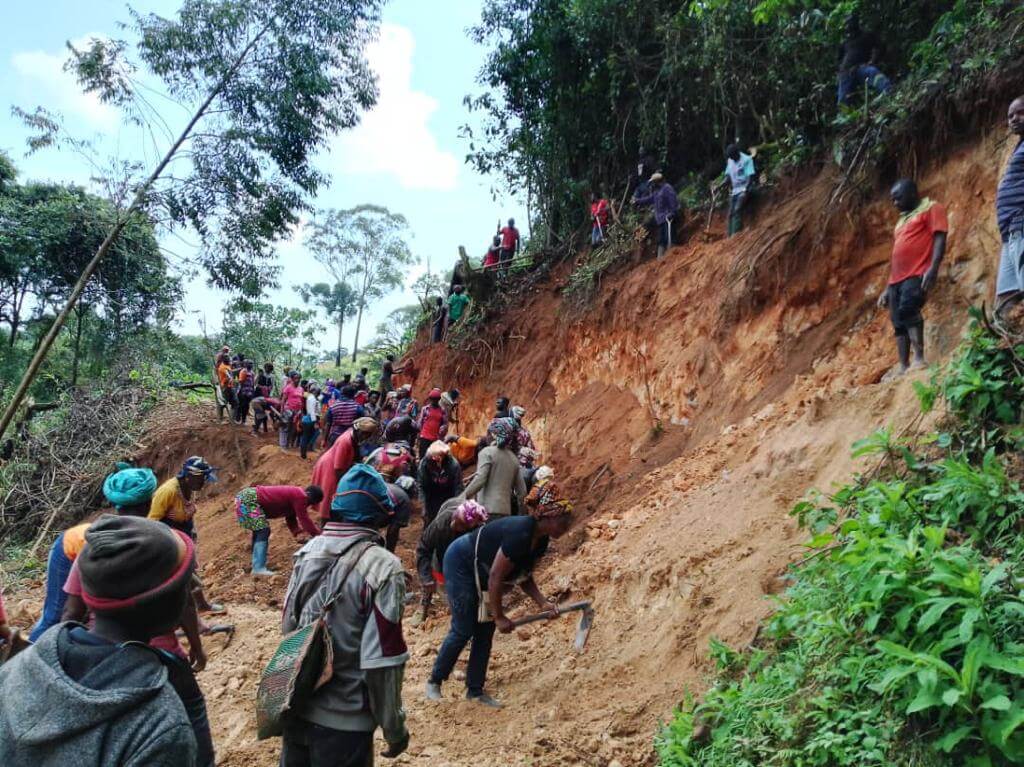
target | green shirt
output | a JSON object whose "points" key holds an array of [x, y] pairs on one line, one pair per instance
{"points": [[457, 305]]}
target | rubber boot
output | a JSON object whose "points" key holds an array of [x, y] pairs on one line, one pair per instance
{"points": [[259, 559], [661, 252]]}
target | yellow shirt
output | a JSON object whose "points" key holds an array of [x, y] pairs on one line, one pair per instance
{"points": [[169, 503]]}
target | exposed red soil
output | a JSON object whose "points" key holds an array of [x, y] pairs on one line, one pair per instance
{"points": [[764, 357]]}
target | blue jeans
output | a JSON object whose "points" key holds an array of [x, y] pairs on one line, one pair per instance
{"points": [[57, 568], [460, 586], [855, 79], [596, 235]]}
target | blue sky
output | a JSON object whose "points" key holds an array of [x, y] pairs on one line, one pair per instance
{"points": [[407, 154]]}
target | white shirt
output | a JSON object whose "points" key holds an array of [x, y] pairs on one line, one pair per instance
{"points": [[312, 406], [740, 173]]}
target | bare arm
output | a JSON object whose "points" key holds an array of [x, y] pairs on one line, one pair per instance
{"points": [[529, 587], [938, 251], [501, 570], [74, 609], [190, 625]]}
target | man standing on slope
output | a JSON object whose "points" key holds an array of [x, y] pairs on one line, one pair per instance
{"points": [[666, 205], [739, 171], [918, 247], [1010, 216], [509, 245]]}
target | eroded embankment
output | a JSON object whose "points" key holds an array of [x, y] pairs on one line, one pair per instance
{"points": [[762, 355]]}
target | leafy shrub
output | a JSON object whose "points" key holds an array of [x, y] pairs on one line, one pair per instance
{"points": [[901, 638]]}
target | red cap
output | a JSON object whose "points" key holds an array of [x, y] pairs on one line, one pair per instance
{"points": [[435, 393]]}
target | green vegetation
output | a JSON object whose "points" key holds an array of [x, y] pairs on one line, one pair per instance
{"points": [[901, 638], [573, 90]]}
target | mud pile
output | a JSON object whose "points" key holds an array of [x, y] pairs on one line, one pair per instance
{"points": [[763, 358]]}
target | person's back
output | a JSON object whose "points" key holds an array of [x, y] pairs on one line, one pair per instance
{"points": [[72, 699], [498, 468], [509, 238]]}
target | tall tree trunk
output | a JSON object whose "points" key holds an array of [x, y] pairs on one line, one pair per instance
{"points": [[341, 324], [78, 345], [359, 322]]}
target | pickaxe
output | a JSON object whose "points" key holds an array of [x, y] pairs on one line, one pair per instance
{"points": [[582, 631]]}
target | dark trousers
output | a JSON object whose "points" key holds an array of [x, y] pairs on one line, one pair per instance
{"points": [[305, 744], [906, 300], [422, 445], [242, 413], [736, 204], [308, 435], [460, 586], [184, 683]]}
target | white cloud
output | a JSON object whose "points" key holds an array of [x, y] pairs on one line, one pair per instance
{"points": [[62, 90], [394, 137]]}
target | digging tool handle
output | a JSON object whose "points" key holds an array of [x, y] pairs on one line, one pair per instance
{"points": [[562, 610]]}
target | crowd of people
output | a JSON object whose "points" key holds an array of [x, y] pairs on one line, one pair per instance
{"points": [[110, 673]]}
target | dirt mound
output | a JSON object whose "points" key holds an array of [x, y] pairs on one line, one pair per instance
{"points": [[761, 357]]}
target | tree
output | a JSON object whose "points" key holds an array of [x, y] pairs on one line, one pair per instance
{"points": [[395, 335], [371, 239], [338, 301], [426, 285], [266, 83], [267, 333]]}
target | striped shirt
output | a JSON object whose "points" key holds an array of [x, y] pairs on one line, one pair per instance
{"points": [[341, 414], [1010, 196]]}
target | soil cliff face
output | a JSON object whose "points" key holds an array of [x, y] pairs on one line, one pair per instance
{"points": [[762, 356]]}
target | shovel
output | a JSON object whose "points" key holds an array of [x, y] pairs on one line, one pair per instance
{"points": [[582, 631]]}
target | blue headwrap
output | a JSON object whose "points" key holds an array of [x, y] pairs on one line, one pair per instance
{"points": [[362, 498], [196, 465], [129, 487]]}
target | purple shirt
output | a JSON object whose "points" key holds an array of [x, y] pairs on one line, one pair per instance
{"points": [[666, 204]]}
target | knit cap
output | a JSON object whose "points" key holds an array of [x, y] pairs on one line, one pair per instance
{"points": [[132, 562], [362, 498]]}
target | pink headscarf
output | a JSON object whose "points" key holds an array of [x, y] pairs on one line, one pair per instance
{"points": [[471, 513]]}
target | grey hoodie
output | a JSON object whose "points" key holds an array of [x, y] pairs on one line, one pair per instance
{"points": [[121, 711]]}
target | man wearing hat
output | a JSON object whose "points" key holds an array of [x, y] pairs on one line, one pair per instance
{"points": [[349, 559], [129, 490], [101, 695], [663, 199], [433, 422]]}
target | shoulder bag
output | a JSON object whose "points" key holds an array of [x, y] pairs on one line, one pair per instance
{"points": [[483, 610], [302, 663]]}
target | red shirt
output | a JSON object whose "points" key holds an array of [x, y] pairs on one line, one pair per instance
{"points": [[599, 212], [432, 422], [491, 259], [912, 240], [286, 501], [509, 238], [331, 466]]}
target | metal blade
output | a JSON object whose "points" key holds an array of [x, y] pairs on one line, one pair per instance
{"points": [[583, 630]]}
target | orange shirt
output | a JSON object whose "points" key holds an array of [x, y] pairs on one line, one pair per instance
{"points": [[74, 540], [224, 374], [463, 450], [912, 240]]}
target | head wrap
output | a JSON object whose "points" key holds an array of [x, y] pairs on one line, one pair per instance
{"points": [[365, 425], [471, 513], [406, 388], [362, 498], [517, 412], [529, 454], [544, 473], [130, 563], [446, 400], [195, 466], [545, 501], [438, 449], [129, 487], [408, 484], [502, 432]]}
